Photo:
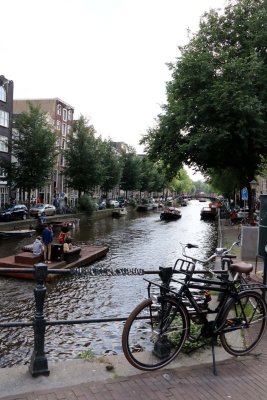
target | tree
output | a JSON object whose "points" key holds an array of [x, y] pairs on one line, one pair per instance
{"points": [[112, 167], [33, 147], [83, 157], [131, 172], [215, 116]]}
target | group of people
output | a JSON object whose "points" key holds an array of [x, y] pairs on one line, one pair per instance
{"points": [[43, 245]]}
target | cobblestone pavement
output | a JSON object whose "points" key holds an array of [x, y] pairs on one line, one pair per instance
{"points": [[237, 378]]}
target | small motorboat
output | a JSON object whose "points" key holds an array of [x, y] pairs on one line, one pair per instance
{"points": [[170, 214], [119, 212], [17, 233], [208, 213]]}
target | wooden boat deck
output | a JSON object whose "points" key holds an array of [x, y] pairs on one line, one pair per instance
{"points": [[88, 254]]}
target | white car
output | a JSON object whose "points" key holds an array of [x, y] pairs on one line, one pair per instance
{"points": [[114, 203]]}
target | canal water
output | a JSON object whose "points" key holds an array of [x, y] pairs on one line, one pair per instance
{"points": [[138, 240]]}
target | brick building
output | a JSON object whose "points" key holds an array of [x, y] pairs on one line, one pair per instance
{"points": [[6, 110], [60, 114]]}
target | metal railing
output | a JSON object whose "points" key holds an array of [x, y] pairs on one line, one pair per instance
{"points": [[38, 362]]}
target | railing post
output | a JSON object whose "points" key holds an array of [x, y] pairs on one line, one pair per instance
{"points": [[39, 365]]}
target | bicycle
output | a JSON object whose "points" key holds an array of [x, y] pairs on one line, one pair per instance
{"points": [[156, 330]]}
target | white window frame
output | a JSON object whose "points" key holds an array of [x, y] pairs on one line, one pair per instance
{"points": [[65, 114], [2, 94], [63, 129], [58, 125], [4, 118], [69, 115], [59, 108]]}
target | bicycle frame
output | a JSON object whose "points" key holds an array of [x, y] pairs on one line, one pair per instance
{"points": [[227, 288]]}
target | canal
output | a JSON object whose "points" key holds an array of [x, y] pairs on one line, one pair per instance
{"points": [[138, 240]]}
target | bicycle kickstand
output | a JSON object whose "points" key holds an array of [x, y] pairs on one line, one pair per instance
{"points": [[213, 342]]}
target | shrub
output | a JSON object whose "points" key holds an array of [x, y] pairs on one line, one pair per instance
{"points": [[86, 204]]}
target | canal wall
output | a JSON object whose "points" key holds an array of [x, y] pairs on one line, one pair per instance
{"points": [[31, 222]]}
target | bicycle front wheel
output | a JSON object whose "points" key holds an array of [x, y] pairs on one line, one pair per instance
{"points": [[244, 323], [154, 333]]}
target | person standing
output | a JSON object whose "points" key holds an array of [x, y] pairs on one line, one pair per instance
{"points": [[47, 241]]}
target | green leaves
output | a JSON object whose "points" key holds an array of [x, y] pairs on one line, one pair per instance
{"points": [[215, 115]]}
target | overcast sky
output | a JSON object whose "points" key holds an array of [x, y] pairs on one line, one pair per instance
{"points": [[106, 58]]}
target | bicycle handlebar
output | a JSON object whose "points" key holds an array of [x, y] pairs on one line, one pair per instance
{"points": [[220, 252]]}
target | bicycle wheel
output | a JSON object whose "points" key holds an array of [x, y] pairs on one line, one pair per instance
{"points": [[244, 322], [154, 333]]}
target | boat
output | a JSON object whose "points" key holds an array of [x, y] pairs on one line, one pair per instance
{"points": [[79, 256], [57, 224], [17, 233], [184, 202], [119, 212], [208, 213], [170, 214], [144, 207]]}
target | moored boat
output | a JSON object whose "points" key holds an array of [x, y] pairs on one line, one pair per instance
{"points": [[208, 213], [144, 207], [119, 212], [17, 233], [170, 214]]}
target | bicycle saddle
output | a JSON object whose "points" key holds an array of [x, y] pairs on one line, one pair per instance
{"points": [[242, 267]]}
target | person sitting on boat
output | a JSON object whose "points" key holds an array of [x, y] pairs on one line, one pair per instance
{"points": [[67, 246], [63, 233], [37, 248]]}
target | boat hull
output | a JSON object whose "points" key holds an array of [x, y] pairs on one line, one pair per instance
{"points": [[88, 255]]}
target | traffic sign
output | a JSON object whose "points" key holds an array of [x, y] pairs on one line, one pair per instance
{"points": [[244, 194]]}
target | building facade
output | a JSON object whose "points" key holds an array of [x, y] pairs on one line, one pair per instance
{"points": [[6, 111], [60, 114]]}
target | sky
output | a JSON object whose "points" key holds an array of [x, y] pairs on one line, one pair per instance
{"points": [[106, 58]]}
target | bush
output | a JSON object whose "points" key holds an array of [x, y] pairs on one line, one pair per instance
{"points": [[86, 204]]}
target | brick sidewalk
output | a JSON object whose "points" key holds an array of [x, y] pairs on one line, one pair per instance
{"points": [[238, 378]]}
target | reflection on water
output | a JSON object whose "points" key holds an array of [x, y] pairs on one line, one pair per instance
{"points": [[135, 241]]}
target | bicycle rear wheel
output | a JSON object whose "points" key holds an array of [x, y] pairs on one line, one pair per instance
{"points": [[244, 323], [154, 333]]}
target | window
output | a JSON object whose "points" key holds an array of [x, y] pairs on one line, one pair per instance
{"points": [[59, 109], [63, 129], [4, 119], [69, 129], [69, 115], [2, 93], [58, 125], [3, 173], [3, 144], [64, 114]]}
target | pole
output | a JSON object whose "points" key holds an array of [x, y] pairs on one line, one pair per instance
{"points": [[38, 364]]}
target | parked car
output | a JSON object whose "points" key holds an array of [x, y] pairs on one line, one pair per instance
{"points": [[113, 203], [40, 209], [102, 205], [18, 211]]}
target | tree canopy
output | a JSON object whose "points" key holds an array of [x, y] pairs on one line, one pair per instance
{"points": [[33, 147], [215, 115], [83, 161]]}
